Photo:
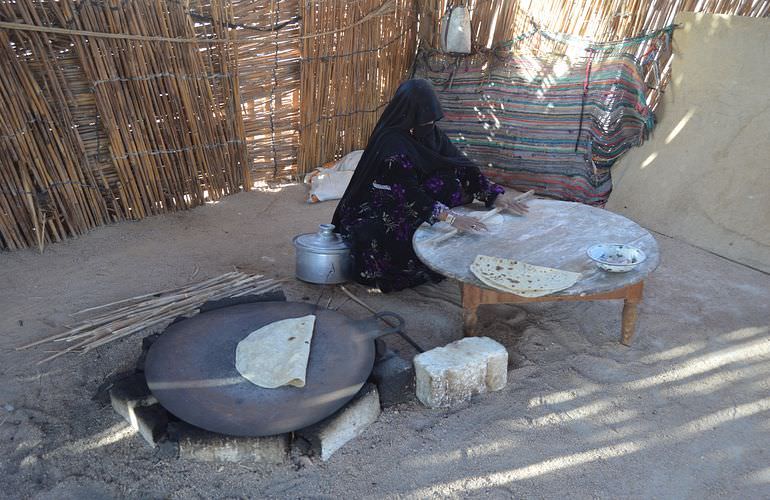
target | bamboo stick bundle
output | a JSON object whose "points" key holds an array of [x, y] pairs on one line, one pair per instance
{"points": [[109, 322]]}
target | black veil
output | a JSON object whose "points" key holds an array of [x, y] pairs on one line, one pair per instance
{"points": [[415, 103]]}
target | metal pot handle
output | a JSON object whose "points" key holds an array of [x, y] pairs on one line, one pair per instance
{"points": [[387, 331]]}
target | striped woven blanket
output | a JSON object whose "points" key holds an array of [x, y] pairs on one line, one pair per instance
{"points": [[540, 124]]}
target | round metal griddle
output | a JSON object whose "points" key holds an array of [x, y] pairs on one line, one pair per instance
{"points": [[191, 369]]}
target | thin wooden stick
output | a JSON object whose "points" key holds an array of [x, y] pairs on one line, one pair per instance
{"points": [[153, 294], [443, 237], [139, 297], [452, 232], [136, 306], [62, 352], [152, 310]]}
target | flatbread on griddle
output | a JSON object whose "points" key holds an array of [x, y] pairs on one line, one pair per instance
{"points": [[521, 278], [276, 354]]}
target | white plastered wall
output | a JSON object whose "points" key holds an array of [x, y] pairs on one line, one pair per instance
{"points": [[704, 176]]}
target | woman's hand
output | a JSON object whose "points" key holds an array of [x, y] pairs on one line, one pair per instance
{"points": [[468, 224], [508, 203]]}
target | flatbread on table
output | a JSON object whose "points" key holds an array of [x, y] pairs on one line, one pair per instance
{"points": [[521, 278], [276, 354]]}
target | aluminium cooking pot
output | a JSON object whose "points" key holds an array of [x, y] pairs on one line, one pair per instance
{"points": [[322, 257], [191, 370]]}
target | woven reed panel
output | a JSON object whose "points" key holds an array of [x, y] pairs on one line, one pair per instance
{"points": [[269, 75], [354, 55]]}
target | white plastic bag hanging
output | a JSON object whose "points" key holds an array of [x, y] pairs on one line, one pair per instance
{"points": [[456, 30]]}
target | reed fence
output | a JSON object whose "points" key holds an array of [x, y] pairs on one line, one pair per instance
{"points": [[98, 129], [354, 55], [116, 110]]}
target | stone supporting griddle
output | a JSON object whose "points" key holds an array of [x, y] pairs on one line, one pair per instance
{"points": [[203, 446], [130, 393], [132, 400], [332, 433]]}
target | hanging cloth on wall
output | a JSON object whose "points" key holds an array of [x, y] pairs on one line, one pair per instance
{"points": [[547, 122]]}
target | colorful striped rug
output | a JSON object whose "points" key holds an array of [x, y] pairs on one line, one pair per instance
{"points": [[543, 124]]}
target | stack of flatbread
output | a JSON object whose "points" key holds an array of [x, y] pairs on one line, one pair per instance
{"points": [[521, 278], [276, 354]]}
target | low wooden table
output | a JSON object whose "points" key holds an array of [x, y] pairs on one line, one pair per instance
{"points": [[554, 234]]}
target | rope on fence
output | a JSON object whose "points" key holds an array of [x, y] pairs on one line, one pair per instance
{"points": [[387, 7], [165, 74]]}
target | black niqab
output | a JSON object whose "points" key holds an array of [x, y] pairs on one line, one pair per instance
{"points": [[414, 105]]}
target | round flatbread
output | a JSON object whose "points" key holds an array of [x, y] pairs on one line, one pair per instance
{"points": [[521, 278], [276, 354]]}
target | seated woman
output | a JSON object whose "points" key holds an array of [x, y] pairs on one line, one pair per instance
{"points": [[409, 174]]}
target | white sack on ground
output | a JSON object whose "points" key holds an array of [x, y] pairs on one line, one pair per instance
{"points": [[330, 183]]}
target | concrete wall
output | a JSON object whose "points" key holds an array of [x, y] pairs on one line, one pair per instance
{"points": [[704, 177]]}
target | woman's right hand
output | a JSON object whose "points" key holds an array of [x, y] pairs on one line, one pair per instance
{"points": [[468, 224]]}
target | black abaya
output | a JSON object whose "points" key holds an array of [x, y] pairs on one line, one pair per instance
{"points": [[408, 173]]}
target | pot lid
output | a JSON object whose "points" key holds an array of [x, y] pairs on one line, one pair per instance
{"points": [[324, 241]]}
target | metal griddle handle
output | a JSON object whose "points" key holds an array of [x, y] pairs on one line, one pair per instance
{"points": [[371, 328], [397, 328], [393, 329]]}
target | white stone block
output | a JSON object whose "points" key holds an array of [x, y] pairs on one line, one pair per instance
{"points": [[449, 375], [351, 421], [203, 446]]}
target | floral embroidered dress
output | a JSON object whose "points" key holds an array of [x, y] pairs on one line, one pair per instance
{"points": [[409, 172], [399, 200]]}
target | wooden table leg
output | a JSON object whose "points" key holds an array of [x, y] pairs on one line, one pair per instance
{"points": [[471, 296], [630, 312]]}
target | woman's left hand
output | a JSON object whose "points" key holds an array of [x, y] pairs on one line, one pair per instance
{"points": [[507, 203], [468, 224]]}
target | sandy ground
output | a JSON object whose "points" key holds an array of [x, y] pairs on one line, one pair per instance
{"points": [[683, 413]]}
